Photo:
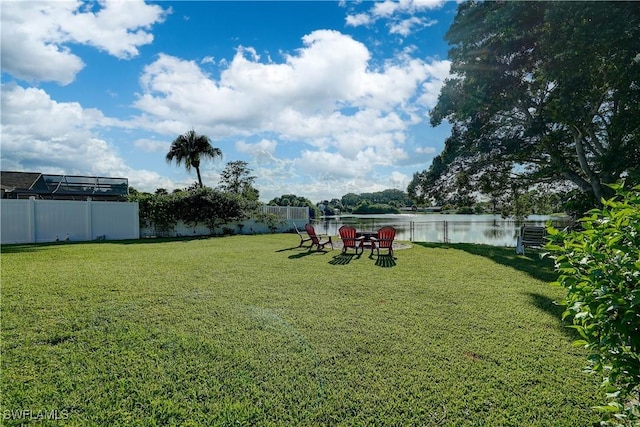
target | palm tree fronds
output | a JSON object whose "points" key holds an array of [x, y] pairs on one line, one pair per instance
{"points": [[189, 149]]}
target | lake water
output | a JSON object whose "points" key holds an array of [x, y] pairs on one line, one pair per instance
{"points": [[447, 228]]}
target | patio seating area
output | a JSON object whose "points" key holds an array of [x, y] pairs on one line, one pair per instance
{"points": [[351, 238]]}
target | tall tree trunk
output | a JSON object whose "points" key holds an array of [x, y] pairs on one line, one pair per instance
{"points": [[594, 179], [199, 177]]}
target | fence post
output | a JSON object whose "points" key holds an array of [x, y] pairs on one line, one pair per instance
{"points": [[32, 219], [136, 224], [446, 232], [88, 225]]}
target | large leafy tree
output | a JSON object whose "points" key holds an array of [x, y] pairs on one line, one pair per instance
{"points": [[190, 149], [541, 92], [236, 178]]}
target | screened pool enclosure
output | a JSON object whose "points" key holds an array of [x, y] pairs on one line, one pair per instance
{"points": [[22, 185]]}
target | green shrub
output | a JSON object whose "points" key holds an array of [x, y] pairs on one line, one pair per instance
{"points": [[214, 208], [271, 220], [205, 205], [600, 268], [159, 210]]}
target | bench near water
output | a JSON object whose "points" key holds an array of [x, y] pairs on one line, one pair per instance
{"points": [[531, 237]]}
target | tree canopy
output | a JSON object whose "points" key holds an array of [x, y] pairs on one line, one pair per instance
{"points": [[541, 92], [236, 178], [291, 200]]}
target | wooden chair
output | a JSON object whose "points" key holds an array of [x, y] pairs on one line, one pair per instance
{"points": [[349, 237], [531, 237], [304, 237], [316, 240], [384, 240]]}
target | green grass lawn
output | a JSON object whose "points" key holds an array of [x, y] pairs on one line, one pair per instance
{"points": [[248, 330]]}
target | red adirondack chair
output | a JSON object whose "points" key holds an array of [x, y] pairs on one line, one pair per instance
{"points": [[349, 237], [316, 240], [304, 237], [384, 240]]}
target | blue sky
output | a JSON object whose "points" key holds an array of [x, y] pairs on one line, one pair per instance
{"points": [[320, 98]]}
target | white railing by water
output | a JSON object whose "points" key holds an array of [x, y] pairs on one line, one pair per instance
{"points": [[442, 228]]}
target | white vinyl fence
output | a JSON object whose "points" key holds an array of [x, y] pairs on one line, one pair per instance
{"points": [[37, 221], [288, 212]]}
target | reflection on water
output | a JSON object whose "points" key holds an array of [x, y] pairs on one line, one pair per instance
{"points": [[495, 232], [486, 229]]}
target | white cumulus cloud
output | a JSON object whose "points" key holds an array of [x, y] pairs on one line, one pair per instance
{"points": [[403, 16], [38, 36], [63, 141], [325, 95]]}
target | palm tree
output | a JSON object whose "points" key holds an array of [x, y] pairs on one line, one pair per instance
{"points": [[190, 148]]}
